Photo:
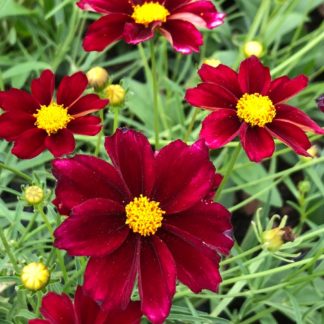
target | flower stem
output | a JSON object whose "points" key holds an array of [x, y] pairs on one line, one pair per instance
{"points": [[241, 255], [228, 171], [191, 125], [116, 119], [9, 252], [99, 138], [16, 172], [155, 95]]}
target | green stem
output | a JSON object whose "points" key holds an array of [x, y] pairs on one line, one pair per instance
{"points": [[116, 119], [9, 252], [191, 125], [241, 255], [228, 171], [99, 138], [155, 95], [45, 220], [16, 172]]}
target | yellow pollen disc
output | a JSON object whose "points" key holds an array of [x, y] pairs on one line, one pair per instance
{"points": [[144, 216], [149, 12], [255, 109], [52, 118]]}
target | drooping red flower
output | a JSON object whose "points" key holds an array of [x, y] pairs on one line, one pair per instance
{"points": [[146, 216], [136, 21], [59, 309], [37, 121], [251, 105]]}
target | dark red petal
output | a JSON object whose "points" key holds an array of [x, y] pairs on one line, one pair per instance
{"points": [[220, 127], [286, 88], [60, 143], [87, 105], [183, 36], [104, 6], [257, 142], [94, 228], [12, 125], [86, 309], [211, 96], [84, 177], [184, 175], [172, 5], [297, 117], [30, 143], [116, 274], [131, 315], [38, 321], [223, 76], [207, 222], [137, 33], [43, 87], [197, 268], [86, 125], [291, 135], [253, 76], [157, 279], [132, 155], [17, 101], [57, 309], [105, 31], [71, 89]]}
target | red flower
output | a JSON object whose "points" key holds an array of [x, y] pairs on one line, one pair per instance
{"points": [[59, 309], [320, 102], [36, 122], [143, 217], [136, 21], [253, 106]]}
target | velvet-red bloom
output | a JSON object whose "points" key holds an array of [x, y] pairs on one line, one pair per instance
{"points": [[37, 121], [251, 105], [146, 216], [60, 309], [136, 21]]}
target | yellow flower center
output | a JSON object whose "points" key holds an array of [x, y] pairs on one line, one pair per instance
{"points": [[52, 118], [149, 12], [35, 276], [255, 109], [144, 216]]}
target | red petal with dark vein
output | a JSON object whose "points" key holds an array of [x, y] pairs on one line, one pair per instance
{"points": [[208, 222], [71, 89], [12, 125], [291, 135], [172, 5], [104, 6], [30, 143], [157, 279], [60, 143], [287, 88], [183, 36], [297, 117], [17, 101], [57, 309], [94, 228], [87, 105], [131, 315], [86, 125], [180, 182], [137, 33], [116, 272], [84, 177], [105, 31], [197, 268], [220, 127], [223, 76], [211, 96], [254, 77], [132, 155], [43, 87], [257, 142]]}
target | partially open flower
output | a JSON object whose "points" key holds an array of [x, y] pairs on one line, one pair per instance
{"points": [[116, 94], [33, 195], [97, 77], [274, 238], [253, 48], [35, 276]]}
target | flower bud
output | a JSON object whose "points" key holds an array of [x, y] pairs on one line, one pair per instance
{"points": [[97, 77], [212, 62], [253, 48], [274, 238], [35, 276], [33, 195], [115, 93], [304, 186]]}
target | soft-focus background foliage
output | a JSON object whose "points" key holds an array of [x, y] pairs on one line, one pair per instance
{"points": [[257, 287]]}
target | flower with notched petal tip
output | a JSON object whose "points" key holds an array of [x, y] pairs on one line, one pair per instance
{"points": [[250, 105], [36, 122], [146, 216], [136, 21], [60, 309]]}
